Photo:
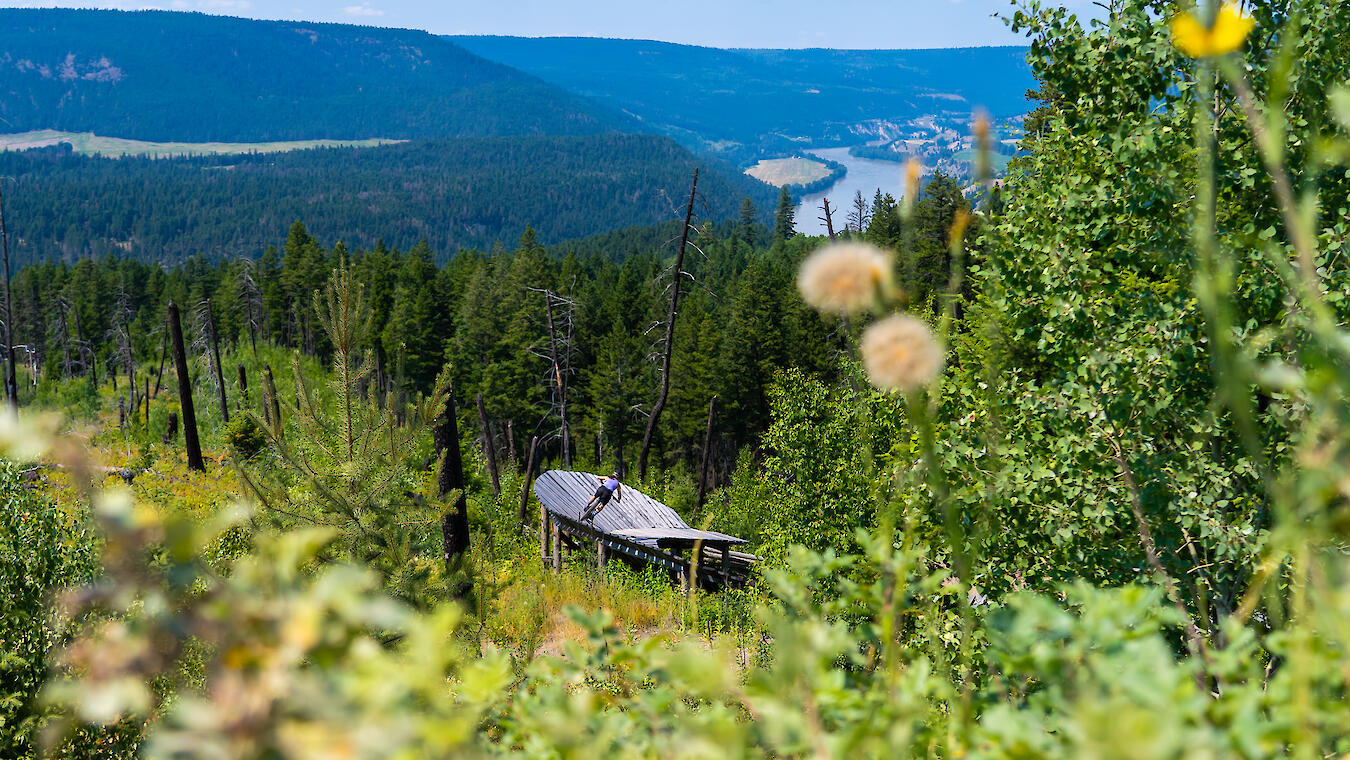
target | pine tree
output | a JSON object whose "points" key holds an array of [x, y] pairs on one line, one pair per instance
{"points": [[353, 458], [784, 221], [747, 228]]}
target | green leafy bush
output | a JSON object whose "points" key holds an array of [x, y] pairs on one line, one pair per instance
{"points": [[245, 436], [42, 551]]}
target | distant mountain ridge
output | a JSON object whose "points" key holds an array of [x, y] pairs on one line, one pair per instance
{"points": [[172, 76], [744, 101]]}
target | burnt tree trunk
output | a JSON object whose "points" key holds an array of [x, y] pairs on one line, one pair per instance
{"points": [[215, 359], [670, 334], [529, 475], [455, 524], [243, 388], [163, 351], [171, 430], [271, 404], [11, 379], [489, 448], [707, 454], [194, 447], [511, 443], [92, 366]]}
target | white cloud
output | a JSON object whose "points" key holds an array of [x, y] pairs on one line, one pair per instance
{"points": [[363, 9], [226, 5]]}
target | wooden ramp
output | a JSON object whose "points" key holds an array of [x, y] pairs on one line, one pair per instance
{"points": [[638, 528]]}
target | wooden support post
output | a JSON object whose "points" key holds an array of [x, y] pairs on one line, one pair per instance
{"points": [[194, 447], [543, 534], [557, 548], [600, 554], [695, 557], [726, 566]]}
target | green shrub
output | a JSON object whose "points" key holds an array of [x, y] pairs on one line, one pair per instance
{"points": [[245, 436], [42, 549]]}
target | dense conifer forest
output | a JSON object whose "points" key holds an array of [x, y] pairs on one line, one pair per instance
{"points": [[484, 314], [451, 193]]}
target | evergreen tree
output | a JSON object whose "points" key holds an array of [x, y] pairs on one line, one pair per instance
{"points": [[748, 226], [356, 461], [784, 223]]}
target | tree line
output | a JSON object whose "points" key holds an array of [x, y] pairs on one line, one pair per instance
{"points": [[540, 332]]}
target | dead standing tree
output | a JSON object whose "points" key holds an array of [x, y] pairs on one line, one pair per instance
{"points": [[828, 219], [706, 454], [861, 215], [120, 334], [194, 447], [163, 351], [58, 336], [252, 297], [559, 311], [207, 346], [670, 332], [82, 347], [450, 479], [489, 447], [11, 379]]}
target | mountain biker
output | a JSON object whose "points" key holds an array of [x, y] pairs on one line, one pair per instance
{"points": [[608, 487]]}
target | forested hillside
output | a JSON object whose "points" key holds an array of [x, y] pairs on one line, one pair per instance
{"points": [[156, 75], [771, 100], [452, 193], [739, 322]]}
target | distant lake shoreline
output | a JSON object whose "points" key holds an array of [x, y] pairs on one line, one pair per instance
{"points": [[864, 174]]}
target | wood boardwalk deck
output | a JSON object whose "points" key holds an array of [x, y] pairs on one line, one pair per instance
{"points": [[637, 528]]}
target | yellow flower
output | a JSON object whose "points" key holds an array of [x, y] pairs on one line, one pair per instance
{"points": [[901, 352], [1198, 41], [844, 278]]}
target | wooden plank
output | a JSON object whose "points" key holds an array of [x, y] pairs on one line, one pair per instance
{"points": [[688, 534]]}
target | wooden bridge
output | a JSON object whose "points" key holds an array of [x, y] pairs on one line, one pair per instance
{"points": [[639, 530]]}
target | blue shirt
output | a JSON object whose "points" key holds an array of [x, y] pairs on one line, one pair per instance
{"points": [[612, 484]]}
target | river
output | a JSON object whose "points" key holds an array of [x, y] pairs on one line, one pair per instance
{"points": [[865, 174]]}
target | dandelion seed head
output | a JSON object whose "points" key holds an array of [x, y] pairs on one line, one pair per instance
{"points": [[981, 127], [913, 170], [901, 353], [843, 278]]}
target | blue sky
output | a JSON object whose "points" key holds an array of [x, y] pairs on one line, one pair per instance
{"points": [[719, 23]]}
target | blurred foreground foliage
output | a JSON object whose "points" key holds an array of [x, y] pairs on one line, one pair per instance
{"points": [[1138, 453]]}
